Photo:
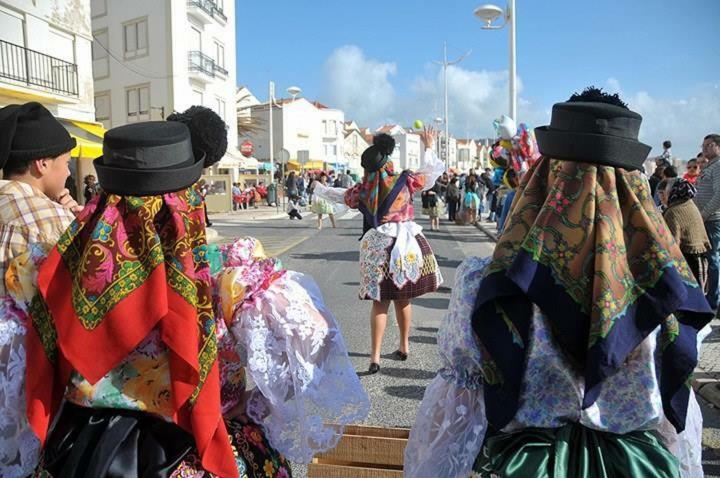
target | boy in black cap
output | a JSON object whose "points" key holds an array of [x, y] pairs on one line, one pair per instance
{"points": [[35, 208]]}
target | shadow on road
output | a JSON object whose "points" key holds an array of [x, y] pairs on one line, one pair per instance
{"points": [[432, 330], [350, 283], [440, 303], [445, 262], [414, 392], [410, 373], [421, 339], [348, 256]]}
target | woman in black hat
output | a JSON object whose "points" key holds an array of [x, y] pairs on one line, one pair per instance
{"points": [[396, 261], [146, 332], [569, 351]]}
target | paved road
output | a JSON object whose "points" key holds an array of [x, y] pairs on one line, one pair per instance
{"points": [[331, 257]]}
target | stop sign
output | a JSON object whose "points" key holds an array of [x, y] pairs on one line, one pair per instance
{"points": [[247, 149]]}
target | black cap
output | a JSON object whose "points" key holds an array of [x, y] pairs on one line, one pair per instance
{"points": [[593, 132], [148, 158], [29, 132]]}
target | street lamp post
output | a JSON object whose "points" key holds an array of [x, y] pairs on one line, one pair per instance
{"points": [[488, 14], [445, 63]]}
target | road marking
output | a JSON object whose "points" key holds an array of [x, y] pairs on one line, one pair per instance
{"points": [[273, 245]]}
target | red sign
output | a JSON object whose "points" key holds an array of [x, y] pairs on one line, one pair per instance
{"points": [[247, 149]]}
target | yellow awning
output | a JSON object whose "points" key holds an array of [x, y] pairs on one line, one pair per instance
{"points": [[294, 165], [86, 149], [89, 137]]}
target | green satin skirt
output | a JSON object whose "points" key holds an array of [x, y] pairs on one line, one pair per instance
{"points": [[574, 451]]}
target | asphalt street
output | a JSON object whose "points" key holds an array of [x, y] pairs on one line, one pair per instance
{"points": [[330, 256]]}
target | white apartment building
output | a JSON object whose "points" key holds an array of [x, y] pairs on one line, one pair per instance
{"points": [[408, 147], [310, 134], [466, 154], [45, 56], [355, 144], [153, 57]]}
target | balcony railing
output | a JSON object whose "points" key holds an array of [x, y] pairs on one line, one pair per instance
{"points": [[200, 62], [209, 7], [37, 70]]}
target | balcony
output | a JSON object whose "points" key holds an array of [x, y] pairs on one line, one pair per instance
{"points": [[35, 70], [203, 68], [206, 11]]}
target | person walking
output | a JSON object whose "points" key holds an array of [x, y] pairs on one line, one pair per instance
{"points": [[471, 200], [707, 200], [453, 199], [686, 225], [321, 206], [396, 261], [431, 205]]}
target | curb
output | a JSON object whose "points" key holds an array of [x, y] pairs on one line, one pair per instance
{"points": [[487, 232], [706, 387]]}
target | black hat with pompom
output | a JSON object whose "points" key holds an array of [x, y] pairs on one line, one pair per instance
{"points": [[594, 127], [375, 157], [157, 157]]}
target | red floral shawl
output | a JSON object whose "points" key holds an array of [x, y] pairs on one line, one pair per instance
{"points": [[125, 266]]}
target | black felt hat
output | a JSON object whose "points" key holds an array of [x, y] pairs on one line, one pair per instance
{"points": [[594, 132], [375, 157], [149, 158], [30, 131]]}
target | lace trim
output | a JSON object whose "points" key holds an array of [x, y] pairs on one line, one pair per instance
{"points": [[307, 389]]}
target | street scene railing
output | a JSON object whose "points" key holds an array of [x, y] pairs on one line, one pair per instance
{"points": [[37, 70], [209, 7], [199, 61]]}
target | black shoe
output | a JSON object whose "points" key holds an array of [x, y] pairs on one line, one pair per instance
{"points": [[209, 224], [398, 355], [374, 368]]}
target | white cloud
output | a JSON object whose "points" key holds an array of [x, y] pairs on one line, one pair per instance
{"points": [[363, 88], [359, 85], [684, 121]]}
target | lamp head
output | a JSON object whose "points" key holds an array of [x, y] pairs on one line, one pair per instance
{"points": [[488, 13]]}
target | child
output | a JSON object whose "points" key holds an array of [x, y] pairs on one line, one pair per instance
{"points": [[292, 209]]}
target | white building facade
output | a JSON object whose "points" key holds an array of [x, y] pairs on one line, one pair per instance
{"points": [[408, 147], [311, 134], [153, 57], [467, 150], [45, 56], [355, 144]]}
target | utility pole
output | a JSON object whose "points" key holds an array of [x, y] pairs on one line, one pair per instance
{"points": [[445, 63], [271, 95]]}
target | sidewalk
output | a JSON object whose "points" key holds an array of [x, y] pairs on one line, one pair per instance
{"points": [[706, 379]]}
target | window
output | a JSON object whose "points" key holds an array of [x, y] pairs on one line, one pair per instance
{"points": [[195, 39], [101, 60], [135, 37], [102, 106], [98, 8], [330, 151], [197, 97], [138, 103], [220, 55], [61, 45], [220, 107], [12, 28]]}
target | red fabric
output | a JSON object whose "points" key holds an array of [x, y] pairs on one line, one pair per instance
{"points": [[93, 353]]}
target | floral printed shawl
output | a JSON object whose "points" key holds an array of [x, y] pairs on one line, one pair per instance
{"points": [[586, 244], [378, 192], [125, 266]]}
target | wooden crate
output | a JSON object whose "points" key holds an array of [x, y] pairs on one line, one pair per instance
{"points": [[363, 452]]}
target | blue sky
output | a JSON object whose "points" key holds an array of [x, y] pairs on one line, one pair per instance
{"points": [[373, 59]]}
